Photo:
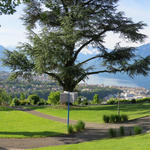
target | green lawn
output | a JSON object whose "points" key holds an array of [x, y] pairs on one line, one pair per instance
{"points": [[140, 142], [21, 124], [95, 113]]}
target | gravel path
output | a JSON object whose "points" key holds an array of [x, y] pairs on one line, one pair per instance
{"points": [[93, 131]]}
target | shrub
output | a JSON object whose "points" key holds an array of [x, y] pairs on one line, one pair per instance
{"points": [[137, 130], [121, 129], [133, 101], [124, 118], [95, 99], [112, 119], [34, 99], [79, 126], [24, 102], [42, 102], [112, 132], [54, 98], [117, 118], [15, 102], [70, 129], [112, 101], [106, 118]]}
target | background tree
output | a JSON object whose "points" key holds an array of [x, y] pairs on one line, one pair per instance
{"points": [[66, 28]]}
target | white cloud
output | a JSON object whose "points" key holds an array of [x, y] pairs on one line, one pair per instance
{"points": [[89, 51]]}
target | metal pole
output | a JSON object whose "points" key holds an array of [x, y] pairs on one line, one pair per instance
{"points": [[68, 110]]}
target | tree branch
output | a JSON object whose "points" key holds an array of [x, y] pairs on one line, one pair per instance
{"points": [[88, 60], [88, 42], [55, 77]]}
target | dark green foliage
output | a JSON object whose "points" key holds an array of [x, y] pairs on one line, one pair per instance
{"points": [[112, 132], [79, 126], [133, 101], [54, 98], [106, 119], [137, 130], [33, 99], [15, 102], [115, 118], [121, 130], [124, 118], [70, 129], [130, 132], [67, 27]]}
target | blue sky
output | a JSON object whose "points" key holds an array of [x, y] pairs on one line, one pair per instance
{"points": [[12, 31]]}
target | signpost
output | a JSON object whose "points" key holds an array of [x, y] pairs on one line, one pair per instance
{"points": [[68, 110]]}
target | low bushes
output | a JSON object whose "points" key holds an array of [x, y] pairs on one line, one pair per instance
{"points": [[78, 127], [125, 101], [70, 129], [115, 118], [137, 130], [112, 132], [121, 132]]}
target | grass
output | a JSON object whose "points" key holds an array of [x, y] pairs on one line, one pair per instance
{"points": [[140, 142], [20, 124], [95, 113]]}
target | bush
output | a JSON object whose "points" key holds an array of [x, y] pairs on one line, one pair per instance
{"points": [[112, 132], [42, 102], [70, 129], [112, 101], [24, 102], [106, 118], [124, 118], [121, 130], [113, 119], [79, 126], [133, 101], [95, 99], [15, 102], [34, 99], [137, 130], [54, 98]]}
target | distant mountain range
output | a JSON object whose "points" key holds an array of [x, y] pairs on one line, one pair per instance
{"points": [[119, 79]]}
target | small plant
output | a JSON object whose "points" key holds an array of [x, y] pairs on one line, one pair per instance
{"points": [[117, 118], [112, 119], [70, 129], [124, 118], [112, 132], [79, 126], [130, 132], [137, 130], [106, 118], [121, 129]]}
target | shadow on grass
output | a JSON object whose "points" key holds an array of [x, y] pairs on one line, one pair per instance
{"points": [[33, 134]]}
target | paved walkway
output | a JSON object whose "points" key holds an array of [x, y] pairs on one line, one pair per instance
{"points": [[93, 131]]}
